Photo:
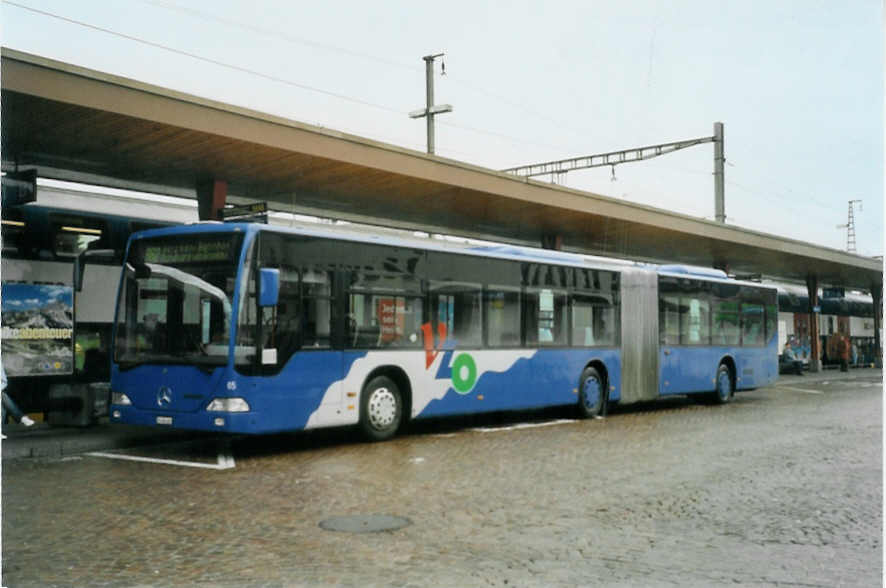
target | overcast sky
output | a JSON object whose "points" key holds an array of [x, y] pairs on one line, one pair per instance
{"points": [[798, 85]]}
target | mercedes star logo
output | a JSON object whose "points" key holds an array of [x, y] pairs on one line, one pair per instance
{"points": [[164, 396]]}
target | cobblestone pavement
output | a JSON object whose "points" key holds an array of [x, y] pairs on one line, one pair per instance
{"points": [[783, 487]]}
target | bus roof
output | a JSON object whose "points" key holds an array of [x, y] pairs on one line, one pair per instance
{"points": [[691, 270], [499, 251], [707, 274]]}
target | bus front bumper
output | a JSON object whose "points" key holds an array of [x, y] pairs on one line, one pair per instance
{"points": [[229, 422]]}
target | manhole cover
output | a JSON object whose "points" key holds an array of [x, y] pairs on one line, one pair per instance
{"points": [[365, 523]]}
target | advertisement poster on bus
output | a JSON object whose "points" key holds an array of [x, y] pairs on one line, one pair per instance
{"points": [[38, 329], [391, 318]]}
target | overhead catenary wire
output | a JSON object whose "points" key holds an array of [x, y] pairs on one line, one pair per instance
{"points": [[807, 197], [202, 58], [570, 128], [293, 39], [341, 96], [457, 79], [780, 196], [270, 32], [270, 77]]}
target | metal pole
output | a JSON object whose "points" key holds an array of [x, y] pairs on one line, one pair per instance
{"points": [[430, 110], [814, 338], [429, 94], [719, 174]]}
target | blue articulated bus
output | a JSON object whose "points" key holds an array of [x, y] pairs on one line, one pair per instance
{"points": [[251, 328]]}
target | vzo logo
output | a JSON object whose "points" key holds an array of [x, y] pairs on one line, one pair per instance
{"points": [[462, 371]]}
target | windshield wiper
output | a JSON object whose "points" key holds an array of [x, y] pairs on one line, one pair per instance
{"points": [[204, 363], [127, 365]]}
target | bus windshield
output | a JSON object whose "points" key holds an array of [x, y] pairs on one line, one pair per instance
{"points": [[176, 299]]}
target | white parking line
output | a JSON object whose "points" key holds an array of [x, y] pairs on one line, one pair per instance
{"points": [[522, 426], [225, 460], [803, 390]]}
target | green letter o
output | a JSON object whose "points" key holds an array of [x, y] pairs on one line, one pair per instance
{"points": [[464, 362]]}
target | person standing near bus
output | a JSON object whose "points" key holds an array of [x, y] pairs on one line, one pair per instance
{"points": [[843, 347], [790, 359], [10, 405]]}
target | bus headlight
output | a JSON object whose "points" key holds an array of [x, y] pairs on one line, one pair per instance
{"points": [[120, 398], [228, 405]]}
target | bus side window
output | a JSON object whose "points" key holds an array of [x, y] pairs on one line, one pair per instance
{"points": [[545, 317], [606, 324], [281, 331], [457, 307], [502, 313], [594, 302], [545, 304], [695, 321], [726, 330], [669, 319], [384, 320], [771, 314], [316, 308], [752, 324], [582, 322], [594, 322]]}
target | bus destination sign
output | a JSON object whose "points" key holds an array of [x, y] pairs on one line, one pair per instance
{"points": [[188, 251]]}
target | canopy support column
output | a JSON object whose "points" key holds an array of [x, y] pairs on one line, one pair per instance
{"points": [[552, 241], [814, 340], [211, 195]]}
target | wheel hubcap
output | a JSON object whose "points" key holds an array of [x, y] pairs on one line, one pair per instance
{"points": [[723, 385], [382, 408], [591, 394]]}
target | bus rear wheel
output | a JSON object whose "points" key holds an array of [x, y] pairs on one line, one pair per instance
{"points": [[724, 391], [381, 409], [591, 394]]}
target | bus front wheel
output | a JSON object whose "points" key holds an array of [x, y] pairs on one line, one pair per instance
{"points": [[591, 394], [381, 409]]}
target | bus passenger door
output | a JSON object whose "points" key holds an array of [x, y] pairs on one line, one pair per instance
{"points": [[688, 363], [686, 369], [302, 361], [669, 377], [319, 359], [669, 381]]}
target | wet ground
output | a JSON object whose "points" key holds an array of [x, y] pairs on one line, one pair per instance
{"points": [[783, 487]]}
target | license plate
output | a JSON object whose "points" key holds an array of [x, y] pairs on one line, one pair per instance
{"points": [[164, 420]]}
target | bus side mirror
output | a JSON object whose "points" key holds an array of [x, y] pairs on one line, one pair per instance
{"points": [[90, 256], [269, 286]]}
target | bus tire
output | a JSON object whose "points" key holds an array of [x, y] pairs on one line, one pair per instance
{"points": [[381, 409], [724, 390], [591, 394]]}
